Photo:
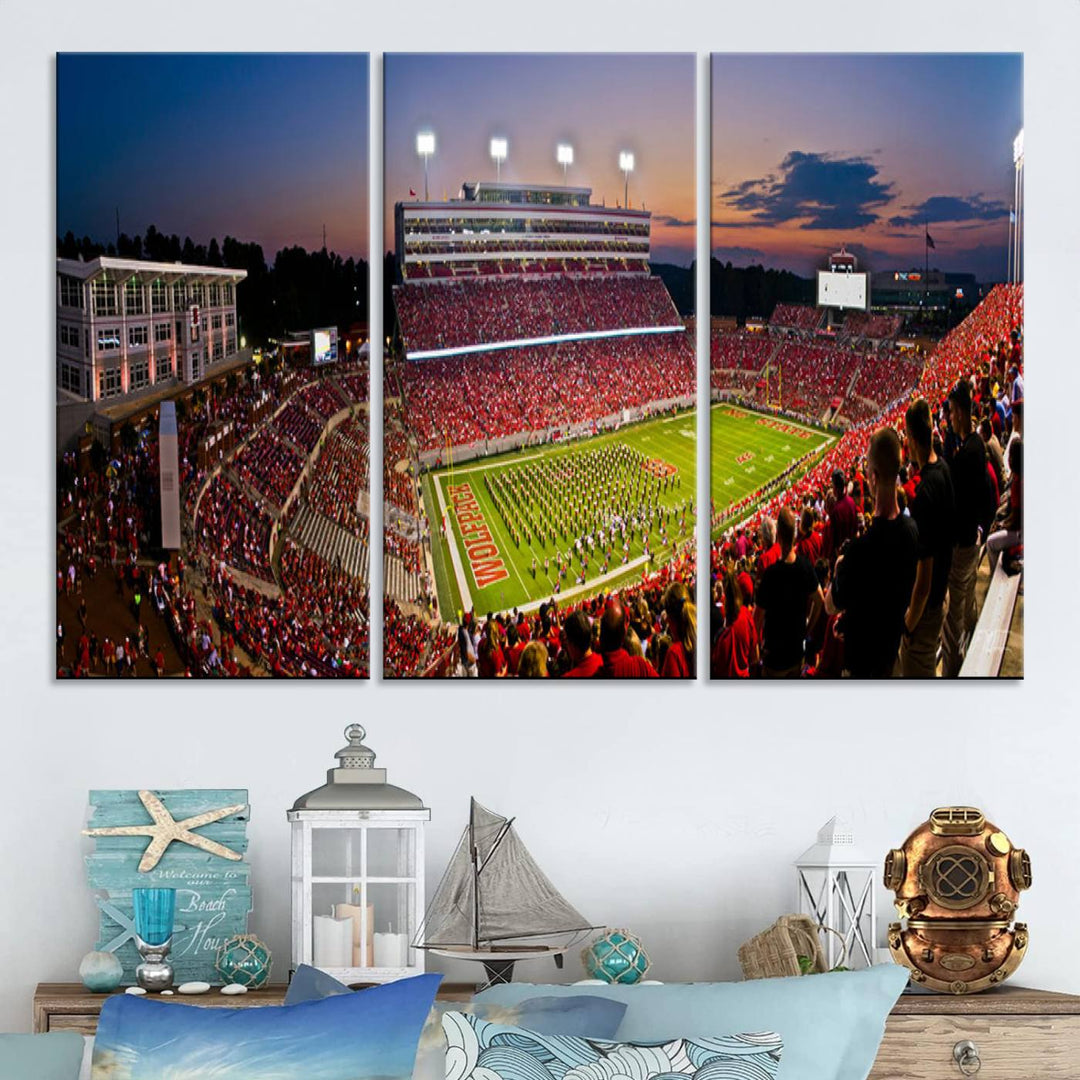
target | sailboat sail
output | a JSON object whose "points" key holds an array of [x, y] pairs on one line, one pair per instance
{"points": [[493, 890]]}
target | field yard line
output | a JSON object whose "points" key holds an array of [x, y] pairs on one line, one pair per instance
{"points": [[455, 557], [592, 583]]}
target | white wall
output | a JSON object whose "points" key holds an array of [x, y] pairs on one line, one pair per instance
{"points": [[674, 812]]}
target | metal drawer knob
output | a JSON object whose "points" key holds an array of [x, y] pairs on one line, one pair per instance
{"points": [[966, 1056]]}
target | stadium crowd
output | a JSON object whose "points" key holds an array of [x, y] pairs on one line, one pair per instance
{"points": [[463, 313], [537, 388], [866, 565]]}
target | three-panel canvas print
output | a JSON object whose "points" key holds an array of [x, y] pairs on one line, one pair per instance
{"points": [[539, 401]]}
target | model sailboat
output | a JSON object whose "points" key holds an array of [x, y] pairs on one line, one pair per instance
{"points": [[494, 902]]}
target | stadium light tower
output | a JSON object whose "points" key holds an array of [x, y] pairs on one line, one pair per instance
{"points": [[626, 163], [425, 147], [564, 155], [498, 154]]}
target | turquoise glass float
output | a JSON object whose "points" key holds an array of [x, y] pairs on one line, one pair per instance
{"points": [[244, 960], [101, 972], [616, 957]]}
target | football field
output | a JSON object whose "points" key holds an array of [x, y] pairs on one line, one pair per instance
{"points": [[496, 508], [749, 449]]}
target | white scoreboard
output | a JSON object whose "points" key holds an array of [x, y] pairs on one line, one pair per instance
{"points": [[841, 290]]}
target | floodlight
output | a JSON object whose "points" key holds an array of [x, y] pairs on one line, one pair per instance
{"points": [[564, 155], [425, 147], [626, 163], [498, 154]]}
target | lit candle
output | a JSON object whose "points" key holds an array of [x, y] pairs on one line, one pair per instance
{"points": [[352, 913]]}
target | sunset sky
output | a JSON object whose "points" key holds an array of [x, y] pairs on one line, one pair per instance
{"points": [[599, 104], [813, 150], [265, 148]]}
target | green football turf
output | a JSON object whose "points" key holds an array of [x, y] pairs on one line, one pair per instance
{"points": [[749, 449], [669, 439]]}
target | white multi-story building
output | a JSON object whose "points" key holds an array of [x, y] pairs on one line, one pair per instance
{"points": [[123, 325]]}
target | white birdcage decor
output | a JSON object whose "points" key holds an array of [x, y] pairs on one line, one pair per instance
{"points": [[358, 872], [836, 888]]}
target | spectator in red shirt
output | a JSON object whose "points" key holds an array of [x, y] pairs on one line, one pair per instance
{"points": [[736, 649], [585, 663], [843, 517], [618, 663], [682, 624]]}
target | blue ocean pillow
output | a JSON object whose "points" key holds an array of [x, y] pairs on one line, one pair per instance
{"points": [[479, 1050], [339, 1038], [56, 1056], [594, 1017], [831, 1024]]}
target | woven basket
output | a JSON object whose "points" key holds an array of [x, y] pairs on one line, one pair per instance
{"points": [[775, 952]]}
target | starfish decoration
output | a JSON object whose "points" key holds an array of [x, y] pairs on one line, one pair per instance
{"points": [[166, 829]]}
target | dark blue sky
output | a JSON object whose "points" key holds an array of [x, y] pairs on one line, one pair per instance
{"points": [[266, 148], [813, 150]]}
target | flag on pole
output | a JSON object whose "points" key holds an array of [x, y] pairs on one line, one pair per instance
{"points": [[930, 241], [412, 194]]}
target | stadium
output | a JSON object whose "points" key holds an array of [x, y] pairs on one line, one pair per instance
{"points": [[540, 433], [269, 572], [795, 402]]}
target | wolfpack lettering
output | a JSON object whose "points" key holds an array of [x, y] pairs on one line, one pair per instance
{"points": [[480, 546]]}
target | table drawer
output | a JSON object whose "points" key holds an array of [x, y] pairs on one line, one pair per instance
{"points": [[1009, 1047], [84, 1024]]}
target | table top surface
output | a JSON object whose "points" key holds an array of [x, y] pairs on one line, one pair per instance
{"points": [[1002, 1000]]}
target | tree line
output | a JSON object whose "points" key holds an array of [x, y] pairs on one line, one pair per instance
{"points": [[300, 290]]}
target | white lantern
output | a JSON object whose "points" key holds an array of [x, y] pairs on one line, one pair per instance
{"points": [[358, 872], [836, 884]]}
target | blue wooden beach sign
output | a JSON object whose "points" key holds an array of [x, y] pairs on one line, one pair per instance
{"points": [[213, 893]]}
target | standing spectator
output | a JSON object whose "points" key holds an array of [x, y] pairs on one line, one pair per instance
{"points": [[680, 658], [736, 650], [788, 589], [584, 662], [618, 663], [933, 510], [843, 517], [970, 490], [993, 450], [874, 577], [533, 663], [1010, 534]]}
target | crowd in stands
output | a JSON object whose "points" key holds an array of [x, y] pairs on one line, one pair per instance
{"points": [[878, 326], [234, 527], [536, 388], [866, 564], [269, 466], [642, 631], [299, 426], [464, 313], [340, 474], [411, 644], [811, 377], [796, 316]]}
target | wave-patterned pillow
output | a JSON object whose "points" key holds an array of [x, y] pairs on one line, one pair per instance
{"points": [[479, 1050]]}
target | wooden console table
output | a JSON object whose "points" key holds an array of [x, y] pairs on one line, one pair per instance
{"points": [[71, 1007], [1015, 1034]]}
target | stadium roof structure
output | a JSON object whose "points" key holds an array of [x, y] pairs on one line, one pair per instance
{"points": [[122, 269]]}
